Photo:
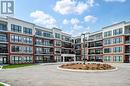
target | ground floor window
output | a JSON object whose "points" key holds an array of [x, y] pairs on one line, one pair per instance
{"points": [[117, 58], [21, 59], [107, 58]]}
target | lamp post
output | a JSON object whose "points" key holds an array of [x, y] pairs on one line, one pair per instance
{"points": [[83, 47]]}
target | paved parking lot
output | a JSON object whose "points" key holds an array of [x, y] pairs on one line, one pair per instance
{"points": [[49, 75]]}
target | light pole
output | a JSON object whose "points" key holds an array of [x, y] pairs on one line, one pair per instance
{"points": [[83, 47]]}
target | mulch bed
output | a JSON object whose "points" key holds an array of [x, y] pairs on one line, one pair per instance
{"points": [[88, 66]]}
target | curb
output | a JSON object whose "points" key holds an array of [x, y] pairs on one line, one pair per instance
{"points": [[88, 71], [5, 84]]}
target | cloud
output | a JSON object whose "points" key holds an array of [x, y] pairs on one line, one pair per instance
{"points": [[72, 21], [77, 30], [44, 19], [65, 21], [90, 18], [72, 6], [115, 0]]}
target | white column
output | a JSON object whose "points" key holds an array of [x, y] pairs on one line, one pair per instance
{"points": [[63, 59], [74, 59]]}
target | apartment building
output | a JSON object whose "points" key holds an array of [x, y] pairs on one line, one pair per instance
{"points": [[25, 42], [110, 44]]}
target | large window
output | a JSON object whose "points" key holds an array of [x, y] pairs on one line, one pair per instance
{"points": [[117, 40], [106, 34], [39, 42], [21, 59], [117, 58], [107, 41], [16, 38], [27, 49], [107, 50], [46, 50], [3, 37], [117, 31], [3, 48], [39, 50], [117, 49], [57, 35], [47, 34], [107, 58], [28, 40], [3, 27], [58, 43], [27, 30], [16, 48], [38, 32], [16, 28]]}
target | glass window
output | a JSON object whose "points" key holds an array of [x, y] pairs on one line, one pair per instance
{"points": [[28, 40], [117, 58], [16, 48], [107, 41], [107, 58], [117, 31], [39, 41], [16, 38], [57, 35], [3, 27], [47, 34], [107, 50], [27, 30], [16, 28], [3, 37], [28, 49], [117, 40], [117, 49], [38, 32], [106, 34]]}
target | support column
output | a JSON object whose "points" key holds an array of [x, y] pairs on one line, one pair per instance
{"points": [[74, 59], [63, 59]]}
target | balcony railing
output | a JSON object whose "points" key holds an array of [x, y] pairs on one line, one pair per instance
{"points": [[127, 42]]}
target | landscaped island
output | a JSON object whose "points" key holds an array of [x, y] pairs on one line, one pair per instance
{"points": [[88, 66]]}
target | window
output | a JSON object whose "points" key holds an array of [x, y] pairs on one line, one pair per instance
{"points": [[27, 49], [27, 59], [47, 43], [3, 48], [27, 30], [46, 50], [39, 41], [117, 31], [21, 59], [3, 27], [16, 38], [117, 58], [107, 58], [117, 40], [117, 49], [57, 35], [16, 48], [107, 41], [58, 43], [38, 32], [28, 40], [106, 34], [107, 50], [39, 50], [16, 28], [3, 38], [47, 34]]}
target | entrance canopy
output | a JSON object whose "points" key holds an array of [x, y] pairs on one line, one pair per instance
{"points": [[68, 55]]}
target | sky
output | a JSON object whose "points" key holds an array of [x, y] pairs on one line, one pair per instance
{"points": [[73, 16]]}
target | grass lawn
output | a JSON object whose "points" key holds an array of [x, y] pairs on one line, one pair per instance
{"points": [[1, 84], [16, 66]]}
